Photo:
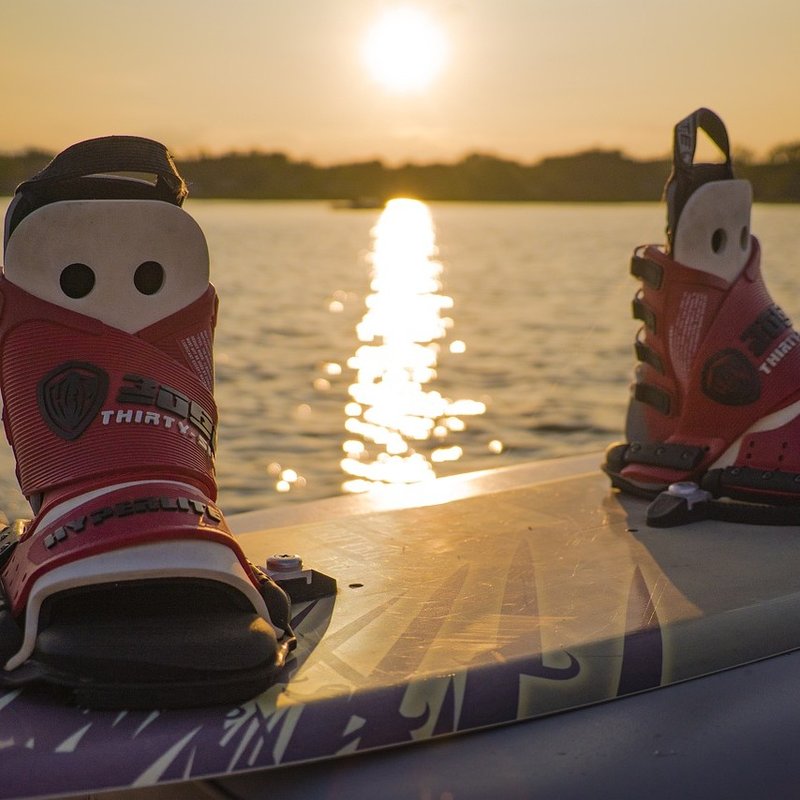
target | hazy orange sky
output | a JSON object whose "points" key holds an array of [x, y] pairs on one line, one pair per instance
{"points": [[520, 78]]}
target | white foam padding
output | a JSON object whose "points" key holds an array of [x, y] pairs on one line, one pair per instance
{"points": [[713, 232], [113, 238]]}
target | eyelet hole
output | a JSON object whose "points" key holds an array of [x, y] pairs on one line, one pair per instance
{"points": [[149, 277], [76, 280], [718, 240], [744, 238]]}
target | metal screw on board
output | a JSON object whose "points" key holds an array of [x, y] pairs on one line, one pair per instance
{"points": [[285, 562], [690, 492], [286, 569]]}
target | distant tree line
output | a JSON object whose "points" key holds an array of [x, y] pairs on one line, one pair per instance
{"points": [[593, 175]]}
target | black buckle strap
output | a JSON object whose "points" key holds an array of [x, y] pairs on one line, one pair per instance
{"points": [[687, 502], [647, 355], [643, 312], [747, 483], [653, 396], [647, 270], [664, 454]]}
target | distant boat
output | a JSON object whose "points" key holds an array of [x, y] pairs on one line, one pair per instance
{"points": [[358, 203]]}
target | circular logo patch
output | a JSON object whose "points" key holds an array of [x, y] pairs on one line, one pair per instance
{"points": [[730, 379]]}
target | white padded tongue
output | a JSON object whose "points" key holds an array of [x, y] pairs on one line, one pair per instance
{"points": [[713, 232], [141, 260]]}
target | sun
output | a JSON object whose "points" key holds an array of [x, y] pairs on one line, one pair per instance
{"points": [[404, 50]]}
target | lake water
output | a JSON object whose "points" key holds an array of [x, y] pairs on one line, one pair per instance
{"points": [[363, 347]]}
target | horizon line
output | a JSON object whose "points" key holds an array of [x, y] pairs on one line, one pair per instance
{"points": [[745, 156]]}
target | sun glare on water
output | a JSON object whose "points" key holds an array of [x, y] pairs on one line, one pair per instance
{"points": [[404, 50], [398, 424]]}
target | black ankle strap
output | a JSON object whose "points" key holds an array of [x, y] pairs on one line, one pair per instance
{"points": [[91, 170]]}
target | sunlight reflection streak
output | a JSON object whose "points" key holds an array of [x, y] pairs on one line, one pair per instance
{"points": [[392, 416]]}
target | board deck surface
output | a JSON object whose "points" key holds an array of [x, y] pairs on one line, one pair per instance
{"points": [[463, 604]]}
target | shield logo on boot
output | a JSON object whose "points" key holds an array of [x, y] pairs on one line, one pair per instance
{"points": [[729, 378], [70, 397]]}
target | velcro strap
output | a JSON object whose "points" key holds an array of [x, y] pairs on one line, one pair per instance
{"points": [[653, 396], [664, 454], [649, 356], [749, 483], [643, 312], [648, 271]]}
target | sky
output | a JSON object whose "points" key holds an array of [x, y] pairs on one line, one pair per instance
{"points": [[521, 79]]}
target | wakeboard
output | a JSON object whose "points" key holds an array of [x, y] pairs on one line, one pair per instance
{"points": [[465, 603]]}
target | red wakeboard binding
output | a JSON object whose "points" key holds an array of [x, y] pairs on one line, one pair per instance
{"points": [[713, 423], [127, 586]]}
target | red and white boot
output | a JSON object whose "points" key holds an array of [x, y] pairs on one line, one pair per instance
{"points": [[716, 401], [127, 586]]}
